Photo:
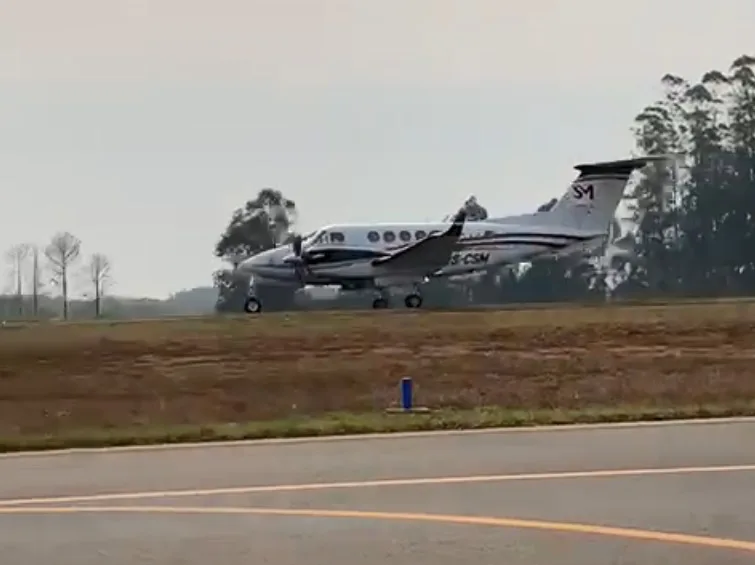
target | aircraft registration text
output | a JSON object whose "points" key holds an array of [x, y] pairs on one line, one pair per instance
{"points": [[470, 258]]}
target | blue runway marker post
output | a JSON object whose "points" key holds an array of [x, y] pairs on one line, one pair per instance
{"points": [[406, 386], [406, 394]]}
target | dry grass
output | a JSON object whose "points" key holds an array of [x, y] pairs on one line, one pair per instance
{"points": [[372, 422], [55, 379]]}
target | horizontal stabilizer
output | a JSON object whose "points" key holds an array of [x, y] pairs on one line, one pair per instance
{"points": [[623, 167], [591, 200]]}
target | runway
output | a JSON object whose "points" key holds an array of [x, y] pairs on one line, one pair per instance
{"points": [[666, 493]]}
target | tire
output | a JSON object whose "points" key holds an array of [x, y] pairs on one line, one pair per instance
{"points": [[252, 306], [413, 301]]}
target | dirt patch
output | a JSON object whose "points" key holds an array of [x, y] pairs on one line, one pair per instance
{"points": [[59, 377]]}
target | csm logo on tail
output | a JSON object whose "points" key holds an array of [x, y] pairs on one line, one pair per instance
{"points": [[405, 255], [583, 191]]}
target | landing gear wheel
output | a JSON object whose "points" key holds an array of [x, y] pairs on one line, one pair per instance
{"points": [[252, 306], [380, 303], [413, 301]]}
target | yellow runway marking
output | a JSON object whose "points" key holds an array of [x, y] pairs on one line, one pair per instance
{"points": [[567, 527], [375, 484]]}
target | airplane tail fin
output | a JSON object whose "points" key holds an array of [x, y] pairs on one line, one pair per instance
{"points": [[591, 200]]}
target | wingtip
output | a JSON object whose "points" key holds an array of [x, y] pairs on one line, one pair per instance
{"points": [[457, 224]]}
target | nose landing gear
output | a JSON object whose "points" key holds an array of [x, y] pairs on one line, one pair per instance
{"points": [[252, 305], [379, 303]]}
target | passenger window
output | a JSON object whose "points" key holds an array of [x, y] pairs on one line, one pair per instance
{"points": [[420, 234], [389, 236], [373, 237], [337, 237], [405, 235]]}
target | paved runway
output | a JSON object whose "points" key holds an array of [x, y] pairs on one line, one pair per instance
{"points": [[669, 493]]}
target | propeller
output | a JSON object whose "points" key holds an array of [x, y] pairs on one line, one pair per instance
{"points": [[298, 261], [296, 245]]}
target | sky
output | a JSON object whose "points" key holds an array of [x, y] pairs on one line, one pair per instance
{"points": [[140, 125]]}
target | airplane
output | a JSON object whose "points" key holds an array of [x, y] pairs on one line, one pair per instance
{"points": [[406, 255]]}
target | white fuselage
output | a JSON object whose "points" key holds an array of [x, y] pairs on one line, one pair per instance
{"points": [[355, 256], [344, 253]]}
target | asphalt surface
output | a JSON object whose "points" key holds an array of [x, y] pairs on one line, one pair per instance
{"points": [[672, 494]]}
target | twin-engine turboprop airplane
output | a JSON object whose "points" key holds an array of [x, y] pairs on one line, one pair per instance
{"points": [[380, 256]]}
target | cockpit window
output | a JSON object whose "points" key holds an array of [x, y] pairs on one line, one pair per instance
{"points": [[315, 238], [337, 237]]}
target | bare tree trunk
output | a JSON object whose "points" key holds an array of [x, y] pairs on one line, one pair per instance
{"points": [[97, 300], [20, 289], [64, 284], [17, 256], [99, 272], [63, 250], [35, 283]]}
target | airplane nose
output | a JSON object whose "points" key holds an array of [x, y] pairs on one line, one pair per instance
{"points": [[253, 261], [270, 257], [269, 265]]}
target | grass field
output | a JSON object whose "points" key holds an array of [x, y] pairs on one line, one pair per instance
{"points": [[176, 378]]}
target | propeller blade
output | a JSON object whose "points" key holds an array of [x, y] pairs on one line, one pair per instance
{"points": [[298, 262], [296, 245], [301, 272]]}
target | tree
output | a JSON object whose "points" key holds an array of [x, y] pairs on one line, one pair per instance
{"points": [[232, 289], [36, 280], [100, 277], [737, 230], [475, 211], [658, 130], [17, 256], [261, 224], [548, 205], [694, 225], [62, 252]]}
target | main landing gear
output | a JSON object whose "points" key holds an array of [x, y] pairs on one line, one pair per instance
{"points": [[380, 303], [413, 300]]}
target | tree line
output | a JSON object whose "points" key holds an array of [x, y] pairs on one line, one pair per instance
{"points": [[688, 231], [35, 270]]}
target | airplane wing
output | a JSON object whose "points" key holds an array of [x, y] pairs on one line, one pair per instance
{"points": [[428, 254]]}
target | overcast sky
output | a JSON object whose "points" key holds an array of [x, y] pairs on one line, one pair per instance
{"points": [[139, 125]]}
